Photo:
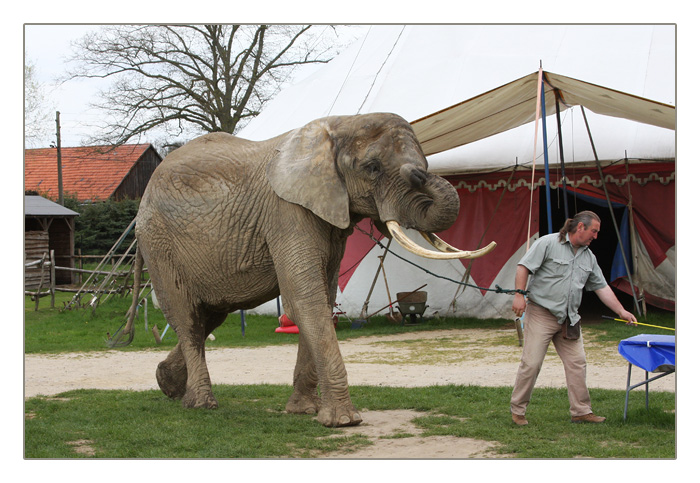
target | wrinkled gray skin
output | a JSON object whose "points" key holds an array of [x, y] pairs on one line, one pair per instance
{"points": [[227, 224]]}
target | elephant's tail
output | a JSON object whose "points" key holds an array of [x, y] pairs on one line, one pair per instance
{"points": [[124, 336]]}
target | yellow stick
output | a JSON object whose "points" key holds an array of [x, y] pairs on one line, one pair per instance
{"points": [[638, 323]]}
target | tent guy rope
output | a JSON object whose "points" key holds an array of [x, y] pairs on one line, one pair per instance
{"points": [[534, 154], [498, 289]]}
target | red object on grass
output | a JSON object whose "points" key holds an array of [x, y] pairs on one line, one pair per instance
{"points": [[287, 325]]}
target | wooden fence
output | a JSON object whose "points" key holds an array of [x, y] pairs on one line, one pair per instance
{"points": [[36, 248], [40, 277], [37, 269]]}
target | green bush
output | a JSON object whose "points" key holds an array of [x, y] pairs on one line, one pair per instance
{"points": [[101, 224]]}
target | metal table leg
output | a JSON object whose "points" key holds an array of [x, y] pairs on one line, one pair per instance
{"points": [[645, 382], [627, 394]]}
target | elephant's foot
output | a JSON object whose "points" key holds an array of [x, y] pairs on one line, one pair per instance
{"points": [[202, 398], [303, 404], [337, 414], [172, 379]]}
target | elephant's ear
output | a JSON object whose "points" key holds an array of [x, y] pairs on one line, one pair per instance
{"points": [[304, 172]]}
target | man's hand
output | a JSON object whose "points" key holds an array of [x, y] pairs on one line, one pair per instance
{"points": [[519, 304], [623, 314]]}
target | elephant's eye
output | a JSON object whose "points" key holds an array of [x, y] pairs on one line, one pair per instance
{"points": [[373, 168]]}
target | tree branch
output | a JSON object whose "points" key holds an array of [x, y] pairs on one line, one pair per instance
{"points": [[191, 78]]}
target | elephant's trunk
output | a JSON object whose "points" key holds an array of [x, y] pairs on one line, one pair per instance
{"points": [[442, 212], [431, 206]]}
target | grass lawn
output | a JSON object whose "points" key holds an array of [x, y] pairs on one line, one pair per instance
{"points": [[251, 423], [55, 330], [78, 330]]}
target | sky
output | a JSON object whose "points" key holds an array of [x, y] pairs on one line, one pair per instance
{"points": [[48, 47], [47, 30]]}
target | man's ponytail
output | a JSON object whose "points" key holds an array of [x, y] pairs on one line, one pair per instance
{"points": [[571, 224]]}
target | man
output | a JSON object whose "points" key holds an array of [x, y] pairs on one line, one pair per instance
{"points": [[561, 265]]}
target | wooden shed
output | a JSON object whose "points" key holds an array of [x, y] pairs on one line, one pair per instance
{"points": [[48, 226], [92, 173]]}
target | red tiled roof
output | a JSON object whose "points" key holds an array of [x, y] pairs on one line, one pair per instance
{"points": [[90, 173]]}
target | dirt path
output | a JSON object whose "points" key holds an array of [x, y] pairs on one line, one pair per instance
{"points": [[404, 360], [465, 357]]}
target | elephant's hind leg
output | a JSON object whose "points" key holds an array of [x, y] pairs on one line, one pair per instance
{"points": [[172, 374], [198, 393], [186, 378], [184, 374]]}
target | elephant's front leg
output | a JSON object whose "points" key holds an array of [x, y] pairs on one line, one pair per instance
{"points": [[307, 263], [320, 365], [305, 398]]}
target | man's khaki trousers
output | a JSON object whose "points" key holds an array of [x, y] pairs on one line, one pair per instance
{"points": [[541, 327]]}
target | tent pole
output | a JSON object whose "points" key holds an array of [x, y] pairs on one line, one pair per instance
{"points": [[633, 231], [363, 313], [534, 154], [546, 161], [561, 156], [612, 213]]}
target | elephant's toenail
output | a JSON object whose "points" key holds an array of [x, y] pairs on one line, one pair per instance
{"points": [[344, 420]]}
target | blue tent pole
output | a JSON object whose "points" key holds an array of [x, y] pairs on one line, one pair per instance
{"points": [[546, 162]]}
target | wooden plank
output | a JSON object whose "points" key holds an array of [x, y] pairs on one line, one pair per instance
{"points": [[36, 244]]}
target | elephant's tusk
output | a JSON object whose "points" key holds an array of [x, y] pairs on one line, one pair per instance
{"points": [[438, 243], [403, 240]]}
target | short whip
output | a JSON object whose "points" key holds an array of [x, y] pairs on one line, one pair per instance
{"points": [[637, 323]]}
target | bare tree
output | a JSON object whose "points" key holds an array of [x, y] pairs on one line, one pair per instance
{"points": [[38, 120], [190, 79]]}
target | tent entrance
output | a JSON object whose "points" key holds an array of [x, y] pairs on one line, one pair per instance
{"points": [[607, 244], [604, 247]]}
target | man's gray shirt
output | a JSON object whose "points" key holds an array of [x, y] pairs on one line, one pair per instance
{"points": [[558, 276]]}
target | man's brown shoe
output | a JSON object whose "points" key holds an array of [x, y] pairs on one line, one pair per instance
{"points": [[587, 418], [519, 420]]}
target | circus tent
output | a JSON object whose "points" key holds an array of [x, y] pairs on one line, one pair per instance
{"points": [[472, 93]]}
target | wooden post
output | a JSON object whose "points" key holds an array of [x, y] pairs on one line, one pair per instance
{"points": [[58, 157], [41, 283], [80, 266], [52, 285]]}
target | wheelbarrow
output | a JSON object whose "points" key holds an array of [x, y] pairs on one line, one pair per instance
{"points": [[412, 305]]}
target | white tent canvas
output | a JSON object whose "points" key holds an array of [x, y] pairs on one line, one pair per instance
{"points": [[422, 72], [417, 70]]}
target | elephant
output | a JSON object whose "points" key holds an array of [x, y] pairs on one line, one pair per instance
{"points": [[226, 224]]}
